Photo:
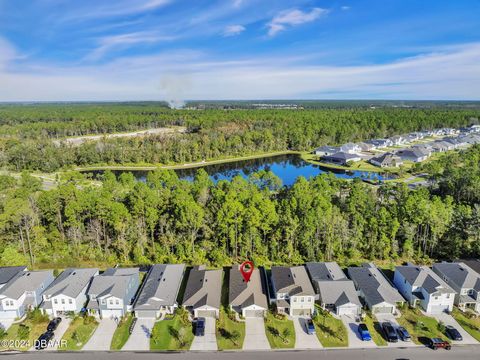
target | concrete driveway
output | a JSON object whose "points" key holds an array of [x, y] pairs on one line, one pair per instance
{"points": [[449, 320], [58, 333], [389, 317], [102, 337], [140, 337], [255, 337], [6, 323], [354, 339], [302, 339], [209, 340]]}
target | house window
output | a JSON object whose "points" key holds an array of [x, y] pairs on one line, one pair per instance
{"points": [[70, 301], [55, 301], [294, 299], [111, 302], [302, 299], [448, 296], [63, 301], [436, 297], [117, 302], [103, 302]]}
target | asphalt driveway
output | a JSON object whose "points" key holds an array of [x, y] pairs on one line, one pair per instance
{"points": [[140, 338], [449, 320], [102, 337], [255, 337], [302, 339], [354, 339], [209, 340]]}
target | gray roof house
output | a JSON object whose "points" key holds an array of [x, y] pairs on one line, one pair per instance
{"points": [[341, 158], [464, 280], [335, 291], [23, 292], [441, 146], [364, 146], [380, 143], [413, 154], [420, 285], [111, 293], [375, 289], [8, 272], [68, 292], [326, 150], [159, 291], [386, 160], [248, 298], [203, 292], [292, 293], [350, 148], [398, 140]]}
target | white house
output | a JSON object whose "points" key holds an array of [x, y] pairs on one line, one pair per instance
{"points": [[68, 292], [350, 148], [420, 285]]}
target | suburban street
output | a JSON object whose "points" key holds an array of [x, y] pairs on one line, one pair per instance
{"points": [[464, 353]]}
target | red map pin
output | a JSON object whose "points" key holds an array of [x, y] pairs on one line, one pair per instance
{"points": [[246, 269]]}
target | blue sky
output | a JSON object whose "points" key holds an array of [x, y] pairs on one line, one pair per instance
{"points": [[239, 49]]}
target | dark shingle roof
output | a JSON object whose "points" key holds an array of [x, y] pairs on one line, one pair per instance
{"points": [[460, 274], [338, 292], [203, 288], [424, 277], [8, 272], [245, 294], [292, 280], [113, 281], [325, 271]]}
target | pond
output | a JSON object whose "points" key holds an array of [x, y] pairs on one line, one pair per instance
{"points": [[287, 167]]}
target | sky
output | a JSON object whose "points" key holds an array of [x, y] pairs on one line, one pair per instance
{"points": [[176, 50]]}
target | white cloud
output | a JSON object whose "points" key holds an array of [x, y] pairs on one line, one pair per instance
{"points": [[345, 8], [237, 3], [293, 17], [232, 30]]}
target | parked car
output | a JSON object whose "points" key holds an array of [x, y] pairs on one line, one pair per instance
{"points": [[389, 331], [200, 327], [42, 341], [403, 334], [453, 333], [52, 325], [310, 327], [363, 332], [437, 343]]}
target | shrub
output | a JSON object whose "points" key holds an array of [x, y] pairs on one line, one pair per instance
{"points": [[23, 332], [36, 316], [441, 326]]}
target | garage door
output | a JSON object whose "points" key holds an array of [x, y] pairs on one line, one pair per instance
{"points": [[347, 310], [436, 309], [106, 314], [383, 310], [146, 314], [299, 312], [206, 313], [254, 313], [8, 314]]}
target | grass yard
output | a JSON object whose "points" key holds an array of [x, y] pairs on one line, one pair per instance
{"points": [[121, 334], [330, 331], [375, 330], [419, 326], [174, 334], [280, 332], [230, 333], [471, 325], [22, 336], [79, 332]]}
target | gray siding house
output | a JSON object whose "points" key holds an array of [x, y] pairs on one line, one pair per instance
{"points": [[159, 291], [249, 299], [111, 294], [23, 292], [203, 292], [8, 272]]}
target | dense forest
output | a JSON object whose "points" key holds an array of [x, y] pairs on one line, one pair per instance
{"points": [[169, 220], [27, 132]]}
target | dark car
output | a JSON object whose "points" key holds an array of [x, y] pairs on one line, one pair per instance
{"points": [[403, 334], [437, 343], [389, 331], [453, 333], [42, 341], [310, 327], [200, 327], [363, 332], [52, 325]]}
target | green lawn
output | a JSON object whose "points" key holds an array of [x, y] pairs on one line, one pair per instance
{"points": [[375, 330], [22, 336], [330, 331], [79, 332], [471, 325], [280, 331], [230, 333], [121, 334], [418, 325], [173, 334]]}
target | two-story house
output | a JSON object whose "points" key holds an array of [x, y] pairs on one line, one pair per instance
{"points": [[68, 292], [111, 293], [464, 280], [420, 285], [8, 272], [293, 293], [23, 292], [159, 291]]}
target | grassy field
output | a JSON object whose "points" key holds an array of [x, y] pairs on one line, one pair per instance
{"points": [[18, 338], [419, 326], [174, 334], [375, 330], [280, 332], [471, 325], [121, 334], [79, 332], [330, 331], [230, 334]]}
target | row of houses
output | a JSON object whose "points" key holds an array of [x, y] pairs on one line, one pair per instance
{"points": [[292, 290]]}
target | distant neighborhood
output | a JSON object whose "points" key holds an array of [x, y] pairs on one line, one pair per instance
{"points": [[393, 152], [349, 296]]}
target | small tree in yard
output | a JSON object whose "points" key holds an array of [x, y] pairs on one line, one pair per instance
{"points": [[23, 332], [441, 326], [286, 334], [235, 336], [182, 337], [274, 331]]}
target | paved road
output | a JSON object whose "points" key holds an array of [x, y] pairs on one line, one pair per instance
{"points": [[302, 339], [255, 337], [465, 353], [209, 340], [102, 337]]}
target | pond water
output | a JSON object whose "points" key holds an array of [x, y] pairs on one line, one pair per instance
{"points": [[287, 167]]}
